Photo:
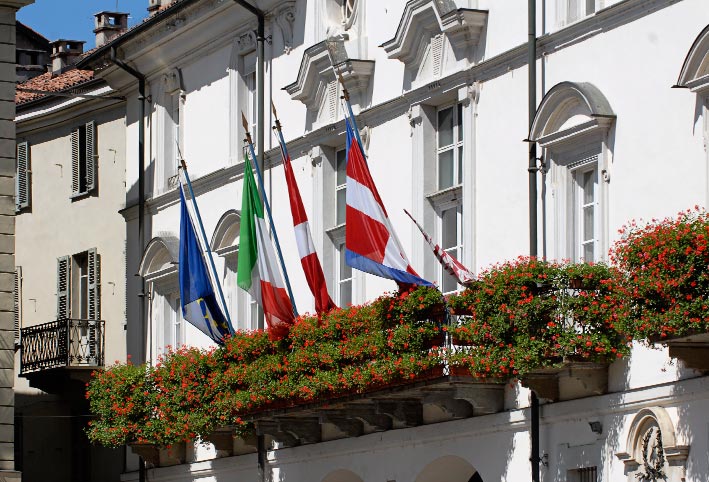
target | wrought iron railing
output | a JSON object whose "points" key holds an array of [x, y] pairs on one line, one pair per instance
{"points": [[62, 343]]}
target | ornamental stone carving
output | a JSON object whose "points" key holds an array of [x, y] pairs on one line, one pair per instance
{"points": [[284, 18], [653, 453]]}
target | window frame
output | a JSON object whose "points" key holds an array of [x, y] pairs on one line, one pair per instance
{"points": [[456, 146], [457, 250], [564, 10], [23, 179], [70, 296]]}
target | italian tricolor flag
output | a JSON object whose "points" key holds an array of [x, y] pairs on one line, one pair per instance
{"points": [[258, 271]]}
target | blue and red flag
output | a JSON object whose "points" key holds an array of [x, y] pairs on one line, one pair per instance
{"points": [[371, 245]]}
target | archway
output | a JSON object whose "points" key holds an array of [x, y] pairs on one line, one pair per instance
{"points": [[449, 468]]}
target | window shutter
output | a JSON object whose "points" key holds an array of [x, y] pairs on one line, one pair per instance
{"points": [[75, 160], [63, 287], [94, 264], [437, 54], [22, 185], [17, 298], [91, 157]]}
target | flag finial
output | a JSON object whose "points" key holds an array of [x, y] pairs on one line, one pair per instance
{"points": [[245, 123], [275, 115], [345, 92]]}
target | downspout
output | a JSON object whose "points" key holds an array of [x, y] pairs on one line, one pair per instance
{"points": [[141, 201], [532, 169], [260, 88]]}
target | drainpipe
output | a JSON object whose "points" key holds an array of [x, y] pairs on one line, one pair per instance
{"points": [[260, 88], [532, 169], [141, 198]]}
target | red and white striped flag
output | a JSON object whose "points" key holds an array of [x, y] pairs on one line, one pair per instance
{"points": [[449, 263], [308, 256]]}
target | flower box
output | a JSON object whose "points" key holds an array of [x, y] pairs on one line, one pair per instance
{"points": [[571, 380], [175, 454], [437, 340], [461, 310], [457, 341]]}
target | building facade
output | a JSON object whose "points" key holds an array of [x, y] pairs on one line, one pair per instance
{"points": [[70, 264], [440, 90]]}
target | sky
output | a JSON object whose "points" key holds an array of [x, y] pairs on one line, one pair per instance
{"points": [[74, 19]]}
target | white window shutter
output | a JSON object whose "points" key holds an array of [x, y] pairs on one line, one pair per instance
{"points": [[332, 99], [22, 180], [17, 298], [63, 287], [75, 160], [94, 266], [91, 157]]}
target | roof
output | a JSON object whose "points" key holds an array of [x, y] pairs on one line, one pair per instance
{"points": [[51, 82]]}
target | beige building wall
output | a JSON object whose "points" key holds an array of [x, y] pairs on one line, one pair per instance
{"points": [[55, 225]]}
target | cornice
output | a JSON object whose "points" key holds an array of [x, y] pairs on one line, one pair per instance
{"points": [[423, 18], [317, 69]]}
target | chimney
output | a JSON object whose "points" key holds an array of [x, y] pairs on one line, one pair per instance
{"points": [[154, 5], [109, 25], [65, 53]]}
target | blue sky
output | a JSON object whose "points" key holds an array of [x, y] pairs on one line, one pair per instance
{"points": [[74, 19]]}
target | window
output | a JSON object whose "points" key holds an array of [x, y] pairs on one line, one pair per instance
{"points": [[83, 160], [348, 11], [340, 186], [78, 286], [585, 207], [451, 237], [570, 11], [450, 146], [173, 140], [173, 329], [251, 107], [22, 177], [344, 278], [586, 474]]}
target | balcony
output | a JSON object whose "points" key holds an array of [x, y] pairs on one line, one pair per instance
{"points": [[54, 353]]}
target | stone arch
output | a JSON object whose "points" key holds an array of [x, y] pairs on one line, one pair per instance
{"points": [[653, 426], [226, 235], [449, 468], [568, 109], [160, 257], [342, 475], [695, 69]]}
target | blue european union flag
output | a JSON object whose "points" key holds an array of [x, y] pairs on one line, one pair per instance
{"points": [[199, 302]]}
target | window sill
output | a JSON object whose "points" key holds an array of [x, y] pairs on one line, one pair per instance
{"points": [[81, 195], [453, 194]]}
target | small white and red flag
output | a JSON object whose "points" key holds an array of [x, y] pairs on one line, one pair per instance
{"points": [[454, 267], [308, 256]]}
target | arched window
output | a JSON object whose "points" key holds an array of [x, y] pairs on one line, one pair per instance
{"points": [[225, 243], [572, 125]]}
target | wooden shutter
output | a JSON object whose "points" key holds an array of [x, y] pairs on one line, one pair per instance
{"points": [[94, 266], [91, 157], [17, 298], [75, 160], [22, 184], [63, 287]]}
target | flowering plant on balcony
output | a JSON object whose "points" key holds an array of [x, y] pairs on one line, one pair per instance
{"points": [[524, 317], [666, 263]]}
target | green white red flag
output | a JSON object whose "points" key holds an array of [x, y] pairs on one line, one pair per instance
{"points": [[258, 272]]}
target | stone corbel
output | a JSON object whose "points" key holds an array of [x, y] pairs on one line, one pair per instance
{"points": [[415, 117], [172, 81], [246, 42], [469, 93], [285, 18]]}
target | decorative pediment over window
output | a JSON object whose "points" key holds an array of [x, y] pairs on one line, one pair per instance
{"points": [[160, 257], [225, 239], [653, 452], [316, 75], [695, 70], [570, 109], [424, 20]]}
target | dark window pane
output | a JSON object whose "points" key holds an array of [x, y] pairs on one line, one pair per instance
{"points": [[445, 169], [445, 127], [449, 228]]}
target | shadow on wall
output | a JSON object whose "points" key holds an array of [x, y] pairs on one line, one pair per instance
{"points": [[450, 468]]}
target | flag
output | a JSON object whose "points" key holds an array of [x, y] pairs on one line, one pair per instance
{"points": [[449, 263], [197, 297], [257, 270], [371, 244], [304, 240]]}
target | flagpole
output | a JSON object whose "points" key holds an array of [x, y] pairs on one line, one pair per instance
{"points": [[346, 97], [209, 251], [270, 216]]}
